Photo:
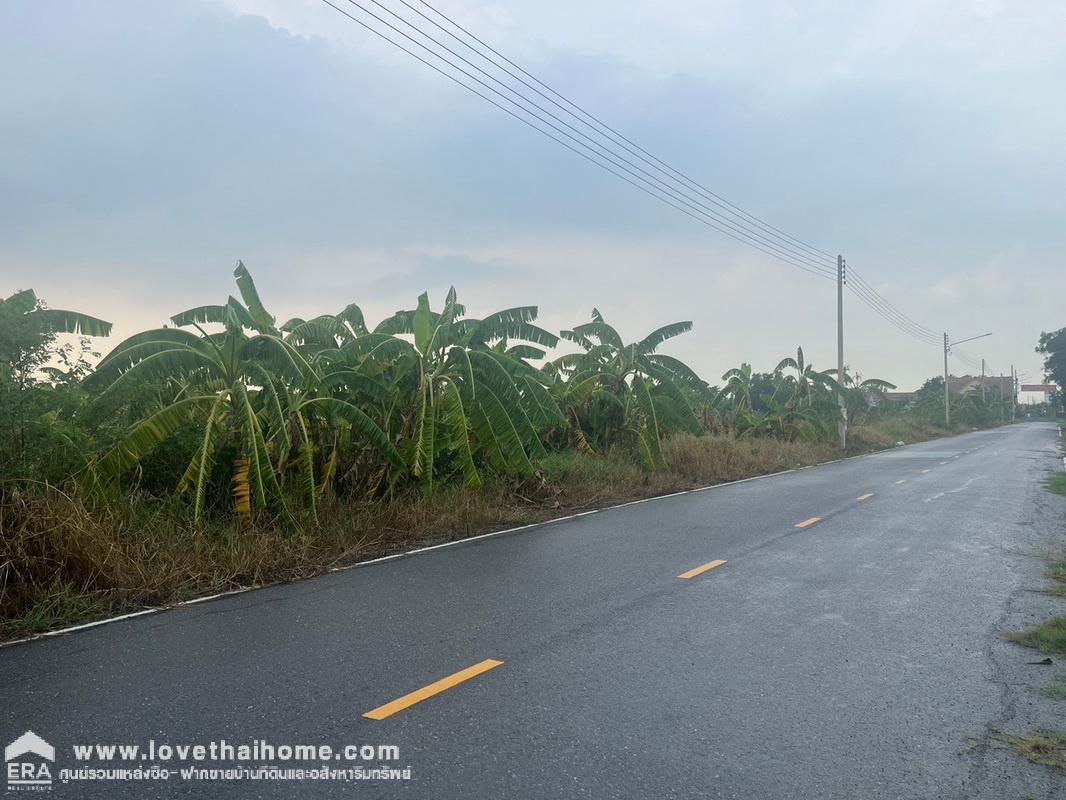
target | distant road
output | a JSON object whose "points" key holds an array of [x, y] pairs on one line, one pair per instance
{"points": [[844, 649]]}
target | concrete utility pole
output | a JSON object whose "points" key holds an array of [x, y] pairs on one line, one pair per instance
{"points": [[842, 426], [1013, 392], [1002, 378], [947, 402], [982, 382]]}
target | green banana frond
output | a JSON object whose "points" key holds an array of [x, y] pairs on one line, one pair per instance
{"points": [[648, 429], [601, 331], [199, 470], [455, 421], [525, 351], [261, 320], [650, 342], [56, 320], [22, 302], [360, 422], [577, 338], [324, 330], [357, 385], [496, 429], [162, 366], [148, 433], [352, 315]]}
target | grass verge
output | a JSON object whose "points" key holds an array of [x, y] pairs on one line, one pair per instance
{"points": [[63, 561], [1047, 637], [1057, 484], [1042, 747]]}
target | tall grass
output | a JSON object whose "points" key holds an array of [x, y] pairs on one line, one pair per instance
{"points": [[65, 561]]}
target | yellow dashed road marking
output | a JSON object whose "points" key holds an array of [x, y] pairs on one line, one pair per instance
{"points": [[417, 696], [866, 496], [692, 573], [808, 522], [924, 471], [902, 481]]}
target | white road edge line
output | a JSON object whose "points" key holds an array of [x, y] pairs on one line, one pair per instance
{"points": [[417, 550]]}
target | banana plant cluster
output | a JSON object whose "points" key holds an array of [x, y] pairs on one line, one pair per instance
{"points": [[283, 414], [795, 401], [610, 390]]}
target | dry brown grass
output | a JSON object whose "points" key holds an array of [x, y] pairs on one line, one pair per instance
{"points": [[63, 561], [1046, 747]]}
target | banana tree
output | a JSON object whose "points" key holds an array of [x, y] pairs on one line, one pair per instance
{"points": [[807, 380], [739, 383], [460, 395], [27, 327], [861, 395], [238, 389], [613, 389]]}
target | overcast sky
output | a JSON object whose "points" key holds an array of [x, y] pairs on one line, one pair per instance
{"points": [[148, 146]]}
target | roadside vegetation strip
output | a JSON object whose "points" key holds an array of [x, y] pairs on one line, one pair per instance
{"points": [[459, 503], [808, 522], [1047, 747], [1057, 484], [190, 463], [692, 573], [1047, 637], [433, 689]]}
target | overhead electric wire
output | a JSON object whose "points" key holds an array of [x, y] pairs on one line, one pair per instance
{"points": [[609, 132], [968, 360], [677, 190], [853, 275], [679, 194], [889, 313], [570, 147]]}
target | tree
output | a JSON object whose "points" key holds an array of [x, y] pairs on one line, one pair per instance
{"points": [[28, 332], [739, 383], [38, 384], [613, 391], [463, 397], [1053, 347], [255, 393], [807, 379]]}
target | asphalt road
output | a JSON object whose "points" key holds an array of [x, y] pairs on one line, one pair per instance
{"points": [[853, 658]]}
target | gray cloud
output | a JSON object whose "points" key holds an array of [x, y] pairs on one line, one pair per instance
{"points": [[148, 146]]}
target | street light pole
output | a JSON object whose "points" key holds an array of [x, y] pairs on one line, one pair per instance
{"points": [[1013, 392]]}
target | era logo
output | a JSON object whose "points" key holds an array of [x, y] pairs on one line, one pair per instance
{"points": [[26, 759]]}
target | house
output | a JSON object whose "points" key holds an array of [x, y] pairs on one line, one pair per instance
{"points": [[1000, 385], [961, 384]]}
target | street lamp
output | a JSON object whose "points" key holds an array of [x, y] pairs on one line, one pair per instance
{"points": [[947, 349]]}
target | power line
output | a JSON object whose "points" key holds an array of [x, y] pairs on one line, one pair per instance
{"points": [[890, 314], [609, 132], [598, 151], [674, 188], [570, 147], [968, 360], [911, 323]]}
